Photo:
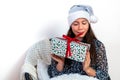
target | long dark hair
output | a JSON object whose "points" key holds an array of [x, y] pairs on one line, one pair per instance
{"points": [[89, 38]]}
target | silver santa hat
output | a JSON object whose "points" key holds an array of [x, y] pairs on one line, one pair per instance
{"points": [[81, 11]]}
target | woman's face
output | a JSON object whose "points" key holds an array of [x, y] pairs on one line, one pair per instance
{"points": [[80, 26]]}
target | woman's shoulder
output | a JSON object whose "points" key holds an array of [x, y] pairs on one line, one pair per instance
{"points": [[99, 46], [98, 43]]}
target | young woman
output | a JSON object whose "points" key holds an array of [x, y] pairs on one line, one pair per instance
{"points": [[95, 64]]}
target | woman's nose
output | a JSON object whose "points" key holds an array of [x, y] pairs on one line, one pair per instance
{"points": [[80, 26]]}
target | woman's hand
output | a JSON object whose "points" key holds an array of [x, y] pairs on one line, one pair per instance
{"points": [[86, 63], [60, 61], [86, 66]]}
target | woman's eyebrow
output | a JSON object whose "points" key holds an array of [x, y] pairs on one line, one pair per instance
{"points": [[84, 21], [76, 22]]}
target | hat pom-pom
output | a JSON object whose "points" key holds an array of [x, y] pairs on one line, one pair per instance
{"points": [[93, 19]]}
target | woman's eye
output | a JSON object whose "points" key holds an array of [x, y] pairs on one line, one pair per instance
{"points": [[84, 23], [75, 24]]}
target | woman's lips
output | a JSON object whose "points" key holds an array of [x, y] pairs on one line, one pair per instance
{"points": [[80, 33]]}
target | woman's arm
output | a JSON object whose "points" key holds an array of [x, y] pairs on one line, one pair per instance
{"points": [[86, 66], [101, 62], [60, 62], [101, 70]]}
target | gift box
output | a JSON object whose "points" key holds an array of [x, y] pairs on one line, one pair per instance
{"points": [[78, 50]]}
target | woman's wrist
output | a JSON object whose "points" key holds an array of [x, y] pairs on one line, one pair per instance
{"points": [[87, 70], [60, 66], [90, 71]]}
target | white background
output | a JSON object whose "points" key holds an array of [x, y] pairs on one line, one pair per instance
{"points": [[24, 22]]}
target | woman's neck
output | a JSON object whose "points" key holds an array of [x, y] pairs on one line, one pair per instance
{"points": [[79, 38]]}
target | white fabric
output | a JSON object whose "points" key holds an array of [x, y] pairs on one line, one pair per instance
{"points": [[73, 77], [29, 69], [79, 14], [42, 71], [41, 51]]}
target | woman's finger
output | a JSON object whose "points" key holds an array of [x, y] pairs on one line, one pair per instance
{"points": [[57, 58]]}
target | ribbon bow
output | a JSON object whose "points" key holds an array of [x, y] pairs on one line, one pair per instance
{"points": [[69, 39]]}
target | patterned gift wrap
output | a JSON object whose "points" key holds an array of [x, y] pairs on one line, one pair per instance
{"points": [[78, 49]]}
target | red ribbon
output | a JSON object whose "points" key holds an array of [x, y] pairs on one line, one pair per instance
{"points": [[69, 39]]}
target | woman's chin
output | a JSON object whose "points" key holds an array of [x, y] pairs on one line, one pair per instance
{"points": [[81, 36]]}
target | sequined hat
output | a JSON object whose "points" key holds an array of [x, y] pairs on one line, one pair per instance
{"points": [[81, 11]]}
